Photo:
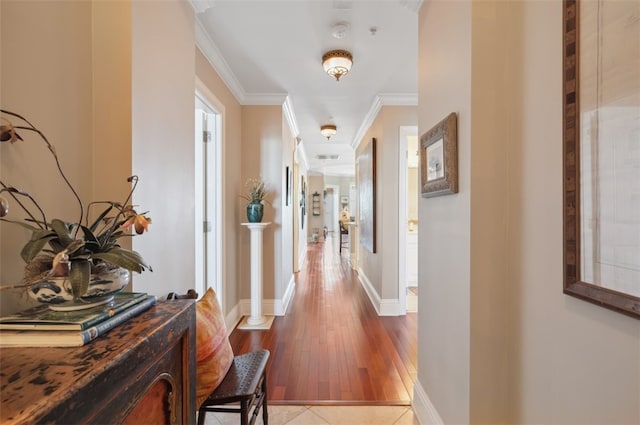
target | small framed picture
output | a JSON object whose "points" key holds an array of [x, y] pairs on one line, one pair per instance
{"points": [[439, 158]]}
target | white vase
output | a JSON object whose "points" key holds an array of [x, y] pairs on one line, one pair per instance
{"points": [[58, 291]]}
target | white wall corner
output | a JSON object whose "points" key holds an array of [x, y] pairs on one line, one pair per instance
{"points": [[301, 155], [423, 409], [290, 115], [200, 6], [391, 307], [412, 5], [370, 290], [383, 306], [283, 305]]}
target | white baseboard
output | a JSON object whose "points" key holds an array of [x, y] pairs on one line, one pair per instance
{"points": [[232, 319], [423, 409], [302, 257], [383, 306], [283, 305]]}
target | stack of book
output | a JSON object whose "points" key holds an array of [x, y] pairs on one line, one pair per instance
{"points": [[41, 326]]}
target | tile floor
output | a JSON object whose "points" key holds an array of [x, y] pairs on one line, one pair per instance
{"points": [[325, 415]]}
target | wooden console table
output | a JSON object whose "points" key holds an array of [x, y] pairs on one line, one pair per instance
{"points": [[141, 372]]}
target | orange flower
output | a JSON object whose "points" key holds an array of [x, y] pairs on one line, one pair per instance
{"points": [[140, 223]]}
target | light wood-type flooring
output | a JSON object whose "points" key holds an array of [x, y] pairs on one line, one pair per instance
{"points": [[331, 347]]}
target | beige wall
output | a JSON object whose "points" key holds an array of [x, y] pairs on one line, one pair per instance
{"points": [[262, 147], [444, 72], [51, 87], [381, 268], [163, 143], [129, 106], [109, 115], [499, 342]]}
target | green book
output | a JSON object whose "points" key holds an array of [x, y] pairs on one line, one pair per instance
{"points": [[42, 317], [73, 338]]}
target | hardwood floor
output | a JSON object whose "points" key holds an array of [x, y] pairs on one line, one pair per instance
{"points": [[331, 347]]}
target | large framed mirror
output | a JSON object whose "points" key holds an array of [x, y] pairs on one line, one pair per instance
{"points": [[601, 136]]}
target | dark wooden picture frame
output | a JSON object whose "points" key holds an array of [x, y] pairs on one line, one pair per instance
{"points": [[439, 158], [303, 201], [367, 196], [573, 281], [288, 176]]}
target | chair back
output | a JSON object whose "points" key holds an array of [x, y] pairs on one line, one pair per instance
{"points": [[190, 295]]}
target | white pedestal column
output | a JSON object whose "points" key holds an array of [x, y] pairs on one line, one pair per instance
{"points": [[256, 320]]}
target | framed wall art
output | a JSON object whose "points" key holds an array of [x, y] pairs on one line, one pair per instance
{"points": [[601, 153], [288, 176], [439, 158], [367, 196]]}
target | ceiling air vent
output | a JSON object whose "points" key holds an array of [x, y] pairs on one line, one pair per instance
{"points": [[327, 156]]}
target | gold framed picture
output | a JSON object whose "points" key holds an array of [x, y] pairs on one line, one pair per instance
{"points": [[439, 158]]}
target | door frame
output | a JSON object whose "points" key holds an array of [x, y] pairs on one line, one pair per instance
{"points": [[404, 132], [211, 101]]}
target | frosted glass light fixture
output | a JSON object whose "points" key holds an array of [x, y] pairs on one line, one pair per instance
{"points": [[337, 63], [328, 130]]}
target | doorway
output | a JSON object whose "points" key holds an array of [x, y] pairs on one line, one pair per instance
{"points": [[408, 218], [331, 207], [208, 193]]}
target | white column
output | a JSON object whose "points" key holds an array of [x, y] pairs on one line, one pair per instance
{"points": [[256, 319]]}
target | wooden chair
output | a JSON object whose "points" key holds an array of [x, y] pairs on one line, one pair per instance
{"points": [[190, 295], [245, 383]]}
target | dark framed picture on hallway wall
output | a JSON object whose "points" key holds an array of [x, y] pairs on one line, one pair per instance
{"points": [[439, 158], [367, 192]]}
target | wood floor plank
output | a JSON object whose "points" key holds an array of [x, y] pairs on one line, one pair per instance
{"points": [[331, 347]]}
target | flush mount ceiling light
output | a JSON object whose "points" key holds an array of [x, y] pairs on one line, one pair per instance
{"points": [[328, 130], [337, 63]]}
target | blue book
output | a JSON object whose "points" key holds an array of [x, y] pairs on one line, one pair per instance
{"points": [[42, 317], [57, 338]]}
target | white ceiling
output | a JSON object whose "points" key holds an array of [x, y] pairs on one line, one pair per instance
{"points": [[270, 52]]}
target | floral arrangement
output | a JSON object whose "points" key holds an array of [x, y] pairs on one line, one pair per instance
{"points": [[75, 248], [257, 191]]}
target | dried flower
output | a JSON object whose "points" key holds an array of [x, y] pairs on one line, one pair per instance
{"points": [[257, 191]]}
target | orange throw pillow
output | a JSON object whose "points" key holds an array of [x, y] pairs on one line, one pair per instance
{"points": [[213, 350]]}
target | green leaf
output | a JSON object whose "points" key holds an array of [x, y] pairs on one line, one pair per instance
{"points": [[33, 247], [74, 247], [79, 276], [62, 229], [125, 258]]}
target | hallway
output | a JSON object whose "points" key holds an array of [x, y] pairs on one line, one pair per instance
{"points": [[332, 348]]}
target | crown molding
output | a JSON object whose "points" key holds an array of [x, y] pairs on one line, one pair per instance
{"points": [[200, 6], [220, 65], [412, 5], [399, 99], [217, 61], [389, 99], [264, 99], [366, 123], [301, 156], [290, 115]]}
